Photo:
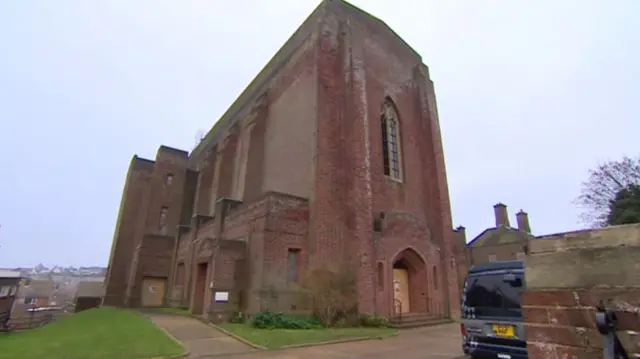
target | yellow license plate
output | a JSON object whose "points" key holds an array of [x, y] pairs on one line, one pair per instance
{"points": [[503, 330]]}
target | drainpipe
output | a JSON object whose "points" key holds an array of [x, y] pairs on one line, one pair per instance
{"points": [[443, 280], [376, 240]]}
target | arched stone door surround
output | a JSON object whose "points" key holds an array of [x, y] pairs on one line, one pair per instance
{"points": [[409, 287]]}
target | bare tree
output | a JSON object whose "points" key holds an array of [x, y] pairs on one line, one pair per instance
{"points": [[604, 182], [333, 289]]}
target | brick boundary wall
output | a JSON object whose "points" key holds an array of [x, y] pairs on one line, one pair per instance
{"points": [[567, 275]]}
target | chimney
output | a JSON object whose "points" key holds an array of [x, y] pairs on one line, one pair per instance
{"points": [[459, 239], [523, 221], [502, 218], [462, 234]]}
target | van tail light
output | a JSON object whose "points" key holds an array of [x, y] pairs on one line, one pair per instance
{"points": [[463, 330]]}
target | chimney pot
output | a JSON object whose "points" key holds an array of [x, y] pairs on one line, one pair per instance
{"points": [[502, 218], [523, 221]]}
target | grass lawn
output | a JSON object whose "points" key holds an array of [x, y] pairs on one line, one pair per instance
{"points": [[277, 338], [104, 333]]}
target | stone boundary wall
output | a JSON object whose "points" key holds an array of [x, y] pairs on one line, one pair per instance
{"points": [[567, 275]]}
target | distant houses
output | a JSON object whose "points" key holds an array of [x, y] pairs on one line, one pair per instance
{"points": [[9, 283]]}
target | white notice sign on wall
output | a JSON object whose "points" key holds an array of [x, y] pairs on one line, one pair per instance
{"points": [[221, 297]]}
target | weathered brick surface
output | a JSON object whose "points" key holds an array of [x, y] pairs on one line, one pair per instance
{"points": [[300, 152], [153, 260], [542, 350], [147, 190], [359, 64], [124, 241], [567, 276]]}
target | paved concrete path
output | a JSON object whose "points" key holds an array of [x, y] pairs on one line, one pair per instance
{"points": [[438, 342], [201, 340]]}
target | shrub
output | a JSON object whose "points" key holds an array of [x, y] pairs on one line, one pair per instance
{"points": [[237, 317], [278, 320], [334, 293], [374, 321]]}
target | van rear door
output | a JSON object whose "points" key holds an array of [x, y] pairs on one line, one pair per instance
{"points": [[492, 315]]}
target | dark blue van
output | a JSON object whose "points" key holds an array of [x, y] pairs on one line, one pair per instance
{"points": [[491, 315]]}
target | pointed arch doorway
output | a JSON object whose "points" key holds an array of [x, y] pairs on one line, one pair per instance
{"points": [[409, 289]]}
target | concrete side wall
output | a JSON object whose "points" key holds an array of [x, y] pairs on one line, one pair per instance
{"points": [[567, 275], [289, 138]]}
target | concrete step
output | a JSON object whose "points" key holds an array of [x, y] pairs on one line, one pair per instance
{"points": [[414, 320], [412, 316], [417, 324]]}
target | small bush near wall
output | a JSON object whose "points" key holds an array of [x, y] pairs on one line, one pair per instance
{"points": [[334, 295], [277, 320], [374, 321], [237, 318]]}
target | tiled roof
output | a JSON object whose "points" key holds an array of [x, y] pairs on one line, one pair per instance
{"points": [[9, 274], [499, 235], [37, 288]]}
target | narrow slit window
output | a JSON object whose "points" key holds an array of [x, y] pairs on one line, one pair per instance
{"points": [[391, 155], [385, 148], [293, 264], [162, 221], [435, 277], [380, 276], [179, 279]]}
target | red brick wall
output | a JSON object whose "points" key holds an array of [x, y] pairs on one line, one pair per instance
{"points": [[316, 133], [270, 226], [359, 64], [168, 161], [124, 242], [561, 324], [146, 192], [266, 227], [567, 276]]}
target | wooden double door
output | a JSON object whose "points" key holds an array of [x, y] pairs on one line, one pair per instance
{"points": [[153, 290], [401, 290]]}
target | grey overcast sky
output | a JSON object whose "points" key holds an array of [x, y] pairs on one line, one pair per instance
{"points": [[531, 94]]}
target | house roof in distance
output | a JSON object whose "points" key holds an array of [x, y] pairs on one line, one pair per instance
{"points": [[5, 273]]}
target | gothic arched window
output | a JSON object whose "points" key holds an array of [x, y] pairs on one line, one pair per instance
{"points": [[391, 141]]}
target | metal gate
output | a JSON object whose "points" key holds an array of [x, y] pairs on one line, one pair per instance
{"points": [[607, 323]]}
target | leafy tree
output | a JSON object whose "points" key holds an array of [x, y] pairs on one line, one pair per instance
{"points": [[607, 181], [625, 207]]}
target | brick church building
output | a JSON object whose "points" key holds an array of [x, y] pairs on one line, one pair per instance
{"points": [[332, 154]]}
